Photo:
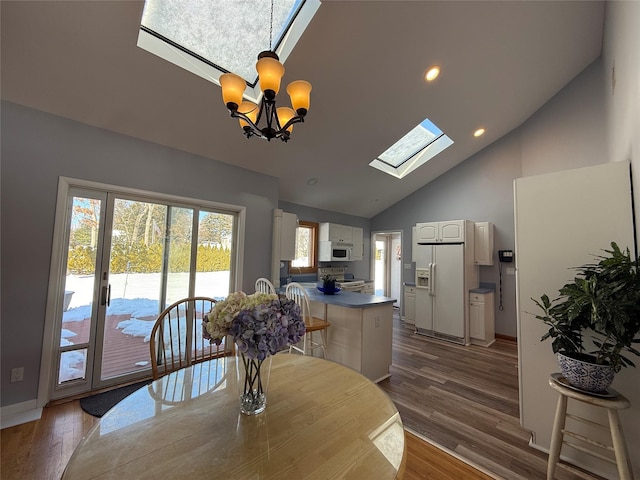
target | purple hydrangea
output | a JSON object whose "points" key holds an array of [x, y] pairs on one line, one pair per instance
{"points": [[267, 328]]}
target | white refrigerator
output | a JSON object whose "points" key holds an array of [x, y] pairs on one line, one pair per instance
{"points": [[441, 292]]}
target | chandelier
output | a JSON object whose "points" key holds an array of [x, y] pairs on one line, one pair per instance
{"points": [[279, 121]]}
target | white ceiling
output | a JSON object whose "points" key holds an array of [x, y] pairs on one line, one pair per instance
{"points": [[500, 61]]}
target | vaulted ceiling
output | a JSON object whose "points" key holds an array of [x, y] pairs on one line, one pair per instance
{"points": [[500, 61]]}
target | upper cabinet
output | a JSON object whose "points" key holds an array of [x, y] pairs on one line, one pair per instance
{"points": [[336, 233], [452, 231], [333, 232], [483, 246]]}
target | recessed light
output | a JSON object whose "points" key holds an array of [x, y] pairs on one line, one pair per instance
{"points": [[479, 132], [432, 73], [312, 181]]}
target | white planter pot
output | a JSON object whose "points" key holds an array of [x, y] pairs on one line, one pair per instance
{"points": [[590, 377]]}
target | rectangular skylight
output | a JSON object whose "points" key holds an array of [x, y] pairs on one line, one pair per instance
{"points": [[422, 143], [210, 38]]}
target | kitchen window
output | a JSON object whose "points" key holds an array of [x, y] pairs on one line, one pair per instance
{"points": [[306, 260]]}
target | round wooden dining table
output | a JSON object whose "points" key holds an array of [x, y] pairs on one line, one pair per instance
{"points": [[322, 421]]}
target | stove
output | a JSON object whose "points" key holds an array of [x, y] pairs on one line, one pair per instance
{"points": [[347, 285]]}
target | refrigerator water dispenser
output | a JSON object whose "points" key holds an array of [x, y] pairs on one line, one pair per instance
{"points": [[422, 277]]}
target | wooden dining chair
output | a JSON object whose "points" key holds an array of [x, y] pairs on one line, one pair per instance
{"points": [[297, 293], [263, 285], [176, 338]]}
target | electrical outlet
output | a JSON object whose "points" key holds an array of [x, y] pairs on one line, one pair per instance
{"points": [[511, 271], [17, 374]]}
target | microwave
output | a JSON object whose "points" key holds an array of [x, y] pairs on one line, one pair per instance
{"points": [[335, 252]]}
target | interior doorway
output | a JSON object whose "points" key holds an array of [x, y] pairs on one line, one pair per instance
{"points": [[387, 264]]}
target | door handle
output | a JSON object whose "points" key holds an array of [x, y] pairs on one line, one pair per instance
{"points": [[432, 278], [106, 295]]}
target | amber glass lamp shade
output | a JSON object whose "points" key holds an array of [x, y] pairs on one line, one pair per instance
{"points": [[270, 72], [233, 87], [284, 115], [300, 94], [251, 110]]}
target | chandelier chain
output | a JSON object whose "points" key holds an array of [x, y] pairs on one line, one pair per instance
{"points": [[271, 28]]}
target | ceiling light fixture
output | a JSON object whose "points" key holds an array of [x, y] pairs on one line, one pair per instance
{"points": [[432, 73], [479, 132], [279, 121]]}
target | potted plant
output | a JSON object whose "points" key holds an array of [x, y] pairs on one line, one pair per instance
{"points": [[328, 284], [602, 303]]}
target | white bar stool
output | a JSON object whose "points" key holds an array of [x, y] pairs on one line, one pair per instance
{"points": [[612, 402]]}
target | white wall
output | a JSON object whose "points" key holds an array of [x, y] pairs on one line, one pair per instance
{"points": [[621, 58], [562, 220]]}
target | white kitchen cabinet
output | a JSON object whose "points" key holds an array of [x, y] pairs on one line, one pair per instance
{"points": [[334, 232], [452, 231], [481, 317], [283, 241], [358, 245], [483, 243], [410, 304]]}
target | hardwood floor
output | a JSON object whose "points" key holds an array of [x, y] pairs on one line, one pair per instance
{"points": [[465, 399], [40, 450]]}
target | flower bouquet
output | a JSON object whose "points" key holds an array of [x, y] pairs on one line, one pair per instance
{"points": [[260, 325]]}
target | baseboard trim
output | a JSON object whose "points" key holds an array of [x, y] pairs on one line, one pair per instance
{"points": [[19, 413], [506, 338]]}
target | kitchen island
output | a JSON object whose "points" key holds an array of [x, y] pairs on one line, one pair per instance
{"points": [[361, 329]]}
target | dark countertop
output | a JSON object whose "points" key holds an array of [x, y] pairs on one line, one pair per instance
{"points": [[481, 290], [344, 299]]}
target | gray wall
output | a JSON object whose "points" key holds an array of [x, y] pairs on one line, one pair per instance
{"points": [[37, 148], [567, 132]]}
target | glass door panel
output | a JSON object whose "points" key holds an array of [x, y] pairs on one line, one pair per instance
{"points": [[77, 325], [177, 254], [213, 261], [135, 288]]}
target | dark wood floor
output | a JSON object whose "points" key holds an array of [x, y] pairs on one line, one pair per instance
{"points": [[465, 399]]}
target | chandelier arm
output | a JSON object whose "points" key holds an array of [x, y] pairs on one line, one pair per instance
{"points": [[237, 114], [296, 119]]}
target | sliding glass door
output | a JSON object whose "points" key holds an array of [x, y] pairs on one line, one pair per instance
{"points": [[128, 258]]}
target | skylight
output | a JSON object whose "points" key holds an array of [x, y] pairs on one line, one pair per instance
{"points": [[422, 143], [209, 38]]}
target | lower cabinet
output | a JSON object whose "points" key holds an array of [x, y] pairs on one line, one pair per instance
{"points": [[410, 304], [481, 317]]}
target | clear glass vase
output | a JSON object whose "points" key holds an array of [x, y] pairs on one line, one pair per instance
{"points": [[253, 383]]}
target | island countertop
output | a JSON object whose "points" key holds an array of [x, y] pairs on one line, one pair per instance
{"points": [[348, 299], [343, 299]]}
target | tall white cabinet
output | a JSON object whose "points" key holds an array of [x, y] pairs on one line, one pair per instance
{"points": [[283, 241]]}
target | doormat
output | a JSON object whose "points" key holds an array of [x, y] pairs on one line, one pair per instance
{"points": [[100, 403]]}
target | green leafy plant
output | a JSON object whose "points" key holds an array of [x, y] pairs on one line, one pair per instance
{"points": [[603, 303], [326, 278]]}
